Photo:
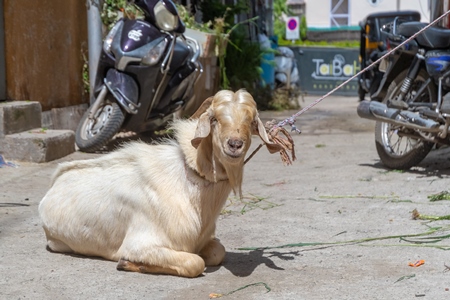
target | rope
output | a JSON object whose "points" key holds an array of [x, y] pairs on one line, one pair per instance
{"points": [[253, 153], [291, 120]]}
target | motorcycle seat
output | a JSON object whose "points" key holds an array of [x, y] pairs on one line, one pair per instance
{"points": [[433, 37]]}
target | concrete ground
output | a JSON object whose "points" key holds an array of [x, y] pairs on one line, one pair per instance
{"points": [[324, 209]]}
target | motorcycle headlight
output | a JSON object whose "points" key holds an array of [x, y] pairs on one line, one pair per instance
{"points": [[110, 37], [164, 18], [153, 56]]}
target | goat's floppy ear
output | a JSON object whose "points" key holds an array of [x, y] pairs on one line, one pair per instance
{"points": [[202, 108], [203, 129], [258, 128]]}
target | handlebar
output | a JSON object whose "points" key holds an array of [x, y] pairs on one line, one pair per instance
{"points": [[390, 29]]}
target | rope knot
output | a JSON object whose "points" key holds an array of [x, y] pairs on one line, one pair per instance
{"points": [[291, 121]]}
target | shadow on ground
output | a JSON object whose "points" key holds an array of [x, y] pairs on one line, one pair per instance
{"points": [[242, 264], [437, 163]]}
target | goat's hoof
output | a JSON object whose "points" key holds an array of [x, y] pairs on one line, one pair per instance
{"points": [[125, 265], [213, 253]]}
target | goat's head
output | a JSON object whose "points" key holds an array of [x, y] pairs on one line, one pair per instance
{"points": [[230, 118]]}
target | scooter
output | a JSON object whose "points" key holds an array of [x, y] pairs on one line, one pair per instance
{"points": [[145, 75]]}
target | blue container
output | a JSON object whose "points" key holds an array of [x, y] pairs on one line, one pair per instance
{"points": [[268, 70], [268, 65]]}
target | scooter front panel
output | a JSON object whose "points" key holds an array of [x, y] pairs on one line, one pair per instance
{"points": [[137, 33]]}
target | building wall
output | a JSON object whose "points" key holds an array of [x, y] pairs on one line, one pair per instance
{"points": [[43, 51], [318, 11]]}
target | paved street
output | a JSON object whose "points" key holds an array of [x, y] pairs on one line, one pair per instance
{"points": [[325, 207]]}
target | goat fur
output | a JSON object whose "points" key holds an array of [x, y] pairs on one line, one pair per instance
{"points": [[153, 208]]}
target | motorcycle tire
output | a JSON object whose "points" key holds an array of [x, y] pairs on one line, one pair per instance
{"points": [[92, 135], [401, 152]]}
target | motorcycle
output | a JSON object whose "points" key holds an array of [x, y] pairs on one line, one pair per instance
{"points": [[373, 46], [146, 74], [412, 103]]}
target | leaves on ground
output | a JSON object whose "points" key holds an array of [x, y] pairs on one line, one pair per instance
{"points": [[247, 203], [444, 195]]}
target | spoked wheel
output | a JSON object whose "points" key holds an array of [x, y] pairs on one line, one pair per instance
{"points": [[92, 134], [398, 147]]}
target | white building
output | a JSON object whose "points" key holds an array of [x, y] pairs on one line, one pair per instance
{"points": [[348, 13]]}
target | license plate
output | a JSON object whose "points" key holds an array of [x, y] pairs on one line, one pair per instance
{"points": [[383, 65]]}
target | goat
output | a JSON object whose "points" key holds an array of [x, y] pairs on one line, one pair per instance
{"points": [[153, 207]]}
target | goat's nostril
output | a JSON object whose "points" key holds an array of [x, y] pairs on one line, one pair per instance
{"points": [[235, 144]]}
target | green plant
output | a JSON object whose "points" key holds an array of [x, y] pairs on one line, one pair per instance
{"points": [[263, 95], [215, 9], [217, 28], [248, 203], [85, 73], [418, 216], [303, 27], [239, 59], [284, 98], [242, 62], [444, 195], [113, 10], [221, 48], [338, 44], [224, 30], [280, 9], [189, 20]]}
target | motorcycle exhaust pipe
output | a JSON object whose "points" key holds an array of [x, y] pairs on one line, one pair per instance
{"points": [[378, 111]]}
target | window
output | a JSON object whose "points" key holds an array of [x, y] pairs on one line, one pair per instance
{"points": [[339, 15]]}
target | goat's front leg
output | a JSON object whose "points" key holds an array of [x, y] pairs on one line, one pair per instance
{"points": [[164, 261], [213, 253]]}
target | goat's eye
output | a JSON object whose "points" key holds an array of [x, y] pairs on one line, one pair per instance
{"points": [[213, 120]]}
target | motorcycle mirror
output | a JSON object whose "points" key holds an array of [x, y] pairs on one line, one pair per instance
{"points": [[181, 26], [170, 7]]}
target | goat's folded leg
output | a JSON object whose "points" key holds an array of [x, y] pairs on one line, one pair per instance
{"points": [[165, 261], [213, 253], [55, 245]]}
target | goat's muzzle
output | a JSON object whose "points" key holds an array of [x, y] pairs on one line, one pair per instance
{"points": [[234, 147]]}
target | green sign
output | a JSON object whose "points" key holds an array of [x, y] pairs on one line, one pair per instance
{"points": [[323, 69]]}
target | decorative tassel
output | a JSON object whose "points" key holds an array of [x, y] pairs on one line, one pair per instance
{"points": [[287, 144]]}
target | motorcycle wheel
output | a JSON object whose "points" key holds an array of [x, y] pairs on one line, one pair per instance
{"points": [[93, 134], [396, 149]]}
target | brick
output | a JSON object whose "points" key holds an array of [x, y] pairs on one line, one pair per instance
{"points": [[38, 145], [18, 116], [67, 117]]}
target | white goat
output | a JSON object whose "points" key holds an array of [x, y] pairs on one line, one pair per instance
{"points": [[153, 208]]}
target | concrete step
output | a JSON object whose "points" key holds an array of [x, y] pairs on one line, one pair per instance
{"points": [[19, 116], [38, 145]]}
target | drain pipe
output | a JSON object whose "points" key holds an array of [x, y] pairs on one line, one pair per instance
{"points": [[95, 37], [435, 9]]}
